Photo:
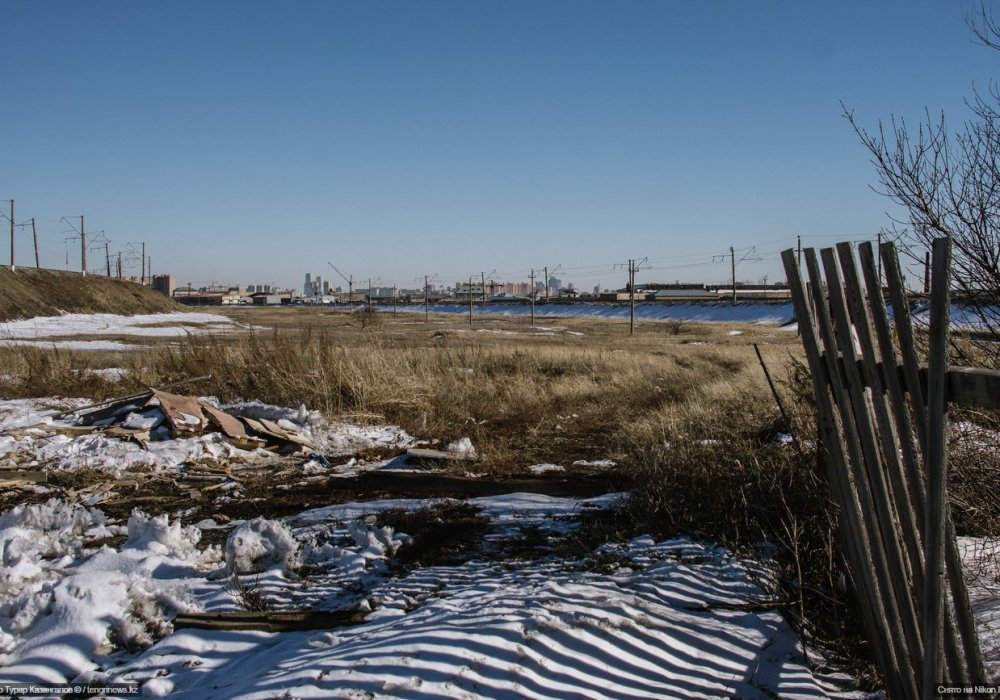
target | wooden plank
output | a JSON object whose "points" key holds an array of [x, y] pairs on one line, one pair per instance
{"points": [[10, 476], [937, 460], [269, 621], [863, 573], [426, 453], [972, 386], [907, 343]]}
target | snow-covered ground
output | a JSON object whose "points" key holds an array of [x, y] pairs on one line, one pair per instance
{"points": [[149, 325], [57, 331], [641, 619]]}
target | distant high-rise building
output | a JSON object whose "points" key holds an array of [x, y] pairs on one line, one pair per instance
{"points": [[307, 288], [164, 284]]}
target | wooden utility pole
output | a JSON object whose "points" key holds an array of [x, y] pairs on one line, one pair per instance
{"points": [[546, 271], [83, 249], [484, 286], [119, 265], [143, 278], [107, 258], [531, 295], [34, 234], [11, 235], [394, 301], [427, 287]]}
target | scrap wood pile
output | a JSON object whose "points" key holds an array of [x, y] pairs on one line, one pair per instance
{"points": [[159, 415]]}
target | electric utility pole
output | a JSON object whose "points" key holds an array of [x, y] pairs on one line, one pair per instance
{"points": [[484, 286], [34, 234], [799, 245], [531, 295], [119, 264], [11, 235], [631, 297], [427, 287], [369, 295], [734, 262], [83, 249], [107, 258], [633, 265], [470, 300], [143, 277], [732, 254], [546, 271]]}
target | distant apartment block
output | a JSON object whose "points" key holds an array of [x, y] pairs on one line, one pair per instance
{"points": [[164, 284]]}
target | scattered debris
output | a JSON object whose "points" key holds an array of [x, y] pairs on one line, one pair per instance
{"points": [[157, 415]]}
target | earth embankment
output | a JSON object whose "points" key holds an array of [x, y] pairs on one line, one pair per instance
{"points": [[28, 292]]}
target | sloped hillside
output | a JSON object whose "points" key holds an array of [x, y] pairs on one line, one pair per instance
{"points": [[29, 292]]}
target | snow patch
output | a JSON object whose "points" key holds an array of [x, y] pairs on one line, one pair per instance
{"points": [[260, 544]]}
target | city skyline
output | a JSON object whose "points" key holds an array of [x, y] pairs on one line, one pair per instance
{"points": [[251, 141]]}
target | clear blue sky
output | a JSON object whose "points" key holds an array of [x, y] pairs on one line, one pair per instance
{"points": [[252, 142]]}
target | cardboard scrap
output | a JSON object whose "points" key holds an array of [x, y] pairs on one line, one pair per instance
{"points": [[234, 430], [183, 413]]}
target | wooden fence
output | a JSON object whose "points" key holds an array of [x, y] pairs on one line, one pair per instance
{"points": [[883, 421]]}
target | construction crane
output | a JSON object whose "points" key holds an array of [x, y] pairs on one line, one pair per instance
{"points": [[350, 285]]}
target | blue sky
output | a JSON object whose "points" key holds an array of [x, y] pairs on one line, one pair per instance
{"points": [[252, 142]]}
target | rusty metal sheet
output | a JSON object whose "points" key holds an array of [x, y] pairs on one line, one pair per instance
{"points": [[184, 415]]}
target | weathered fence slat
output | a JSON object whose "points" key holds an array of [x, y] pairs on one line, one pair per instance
{"points": [[936, 457], [885, 452]]}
